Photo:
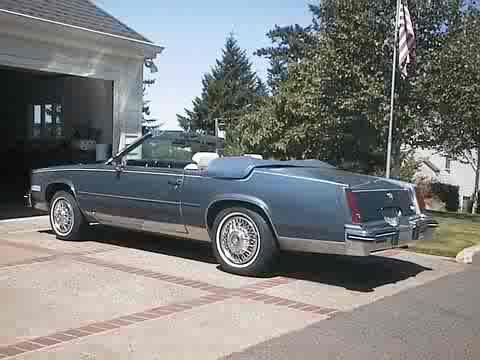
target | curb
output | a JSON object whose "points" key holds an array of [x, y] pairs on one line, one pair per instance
{"points": [[469, 255]]}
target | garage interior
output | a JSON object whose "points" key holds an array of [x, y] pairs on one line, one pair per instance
{"points": [[49, 119]]}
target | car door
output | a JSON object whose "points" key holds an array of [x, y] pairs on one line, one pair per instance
{"points": [[144, 198], [143, 193]]}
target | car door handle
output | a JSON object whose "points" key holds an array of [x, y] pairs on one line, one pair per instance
{"points": [[177, 182]]}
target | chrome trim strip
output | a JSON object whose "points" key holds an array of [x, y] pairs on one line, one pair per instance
{"points": [[378, 190], [129, 198], [58, 170], [125, 171], [386, 234], [154, 227], [303, 178], [190, 204], [361, 238], [312, 246], [151, 173], [198, 233]]}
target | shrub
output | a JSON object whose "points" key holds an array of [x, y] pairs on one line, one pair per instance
{"points": [[447, 193]]}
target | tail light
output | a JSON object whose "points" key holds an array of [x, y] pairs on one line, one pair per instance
{"points": [[420, 199], [354, 209]]}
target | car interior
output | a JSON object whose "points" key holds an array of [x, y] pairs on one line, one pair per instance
{"points": [[199, 162]]}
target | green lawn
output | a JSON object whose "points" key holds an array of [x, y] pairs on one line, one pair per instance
{"points": [[454, 234]]}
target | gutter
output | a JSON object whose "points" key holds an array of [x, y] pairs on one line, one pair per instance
{"points": [[158, 48]]}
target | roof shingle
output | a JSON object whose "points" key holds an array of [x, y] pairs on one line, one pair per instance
{"points": [[82, 13]]}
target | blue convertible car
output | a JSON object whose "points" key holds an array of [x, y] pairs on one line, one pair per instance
{"points": [[248, 208]]}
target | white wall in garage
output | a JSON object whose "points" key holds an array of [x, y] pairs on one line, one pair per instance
{"points": [[31, 44]]}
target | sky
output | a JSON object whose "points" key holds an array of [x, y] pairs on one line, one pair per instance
{"points": [[193, 33]]}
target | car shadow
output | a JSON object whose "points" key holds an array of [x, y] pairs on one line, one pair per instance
{"points": [[172, 246], [361, 274]]}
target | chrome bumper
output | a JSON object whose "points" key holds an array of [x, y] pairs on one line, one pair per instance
{"points": [[362, 241]]}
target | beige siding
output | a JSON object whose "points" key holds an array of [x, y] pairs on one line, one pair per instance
{"points": [[26, 45], [462, 175]]}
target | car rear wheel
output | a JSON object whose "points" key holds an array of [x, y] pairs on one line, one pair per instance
{"points": [[243, 242], [66, 219]]}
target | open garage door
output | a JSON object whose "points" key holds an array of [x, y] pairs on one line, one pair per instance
{"points": [[48, 119]]}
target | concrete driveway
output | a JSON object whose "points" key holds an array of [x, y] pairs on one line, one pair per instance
{"points": [[124, 295]]}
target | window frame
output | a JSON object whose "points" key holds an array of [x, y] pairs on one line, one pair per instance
{"points": [[46, 129]]}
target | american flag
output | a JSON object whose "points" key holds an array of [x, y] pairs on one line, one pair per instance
{"points": [[407, 45]]}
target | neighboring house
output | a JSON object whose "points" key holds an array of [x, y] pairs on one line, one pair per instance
{"points": [[445, 170], [68, 70]]}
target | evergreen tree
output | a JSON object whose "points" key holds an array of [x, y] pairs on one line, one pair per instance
{"points": [[289, 45], [148, 123], [333, 102], [228, 91]]}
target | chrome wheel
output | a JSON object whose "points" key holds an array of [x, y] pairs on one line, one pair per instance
{"points": [[238, 240], [62, 216]]}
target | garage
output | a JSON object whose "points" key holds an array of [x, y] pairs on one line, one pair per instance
{"points": [[71, 88]]}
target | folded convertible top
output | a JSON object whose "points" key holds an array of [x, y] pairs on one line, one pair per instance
{"points": [[240, 167]]}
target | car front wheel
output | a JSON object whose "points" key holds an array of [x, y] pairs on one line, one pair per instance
{"points": [[66, 219], [243, 242]]}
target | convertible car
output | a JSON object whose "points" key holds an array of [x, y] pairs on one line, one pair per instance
{"points": [[250, 209]]}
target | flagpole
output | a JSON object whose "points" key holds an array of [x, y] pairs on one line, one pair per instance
{"points": [[392, 99]]}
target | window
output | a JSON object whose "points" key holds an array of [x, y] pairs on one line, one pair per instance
{"points": [[170, 150], [159, 152], [47, 121], [448, 164]]}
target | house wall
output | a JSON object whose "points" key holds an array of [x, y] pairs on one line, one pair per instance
{"points": [[460, 174], [40, 46]]}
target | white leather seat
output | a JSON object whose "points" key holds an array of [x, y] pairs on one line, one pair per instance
{"points": [[191, 167], [201, 160]]}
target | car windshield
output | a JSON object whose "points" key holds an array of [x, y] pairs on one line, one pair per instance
{"points": [[173, 149]]}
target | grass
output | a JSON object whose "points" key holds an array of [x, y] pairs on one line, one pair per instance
{"points": [[454, 234]]}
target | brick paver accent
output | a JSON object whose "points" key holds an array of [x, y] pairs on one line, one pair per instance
{"points": [[217, 294]]}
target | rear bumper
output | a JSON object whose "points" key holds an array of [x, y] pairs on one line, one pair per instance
{"points": [[362, 241], [365, 240]]}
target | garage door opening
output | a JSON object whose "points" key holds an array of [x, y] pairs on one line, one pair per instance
{"points": [[48, 119]]}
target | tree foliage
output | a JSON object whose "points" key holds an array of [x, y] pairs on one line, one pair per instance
{"points": [[148, 123], [454, 94], [228, 90], [332, 101]]}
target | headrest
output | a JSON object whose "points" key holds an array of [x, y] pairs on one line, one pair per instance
{"points": [[204, 158], [255, 156]]}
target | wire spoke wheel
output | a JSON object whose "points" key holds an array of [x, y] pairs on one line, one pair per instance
{"points": [[239, 240], [62, 216]]}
